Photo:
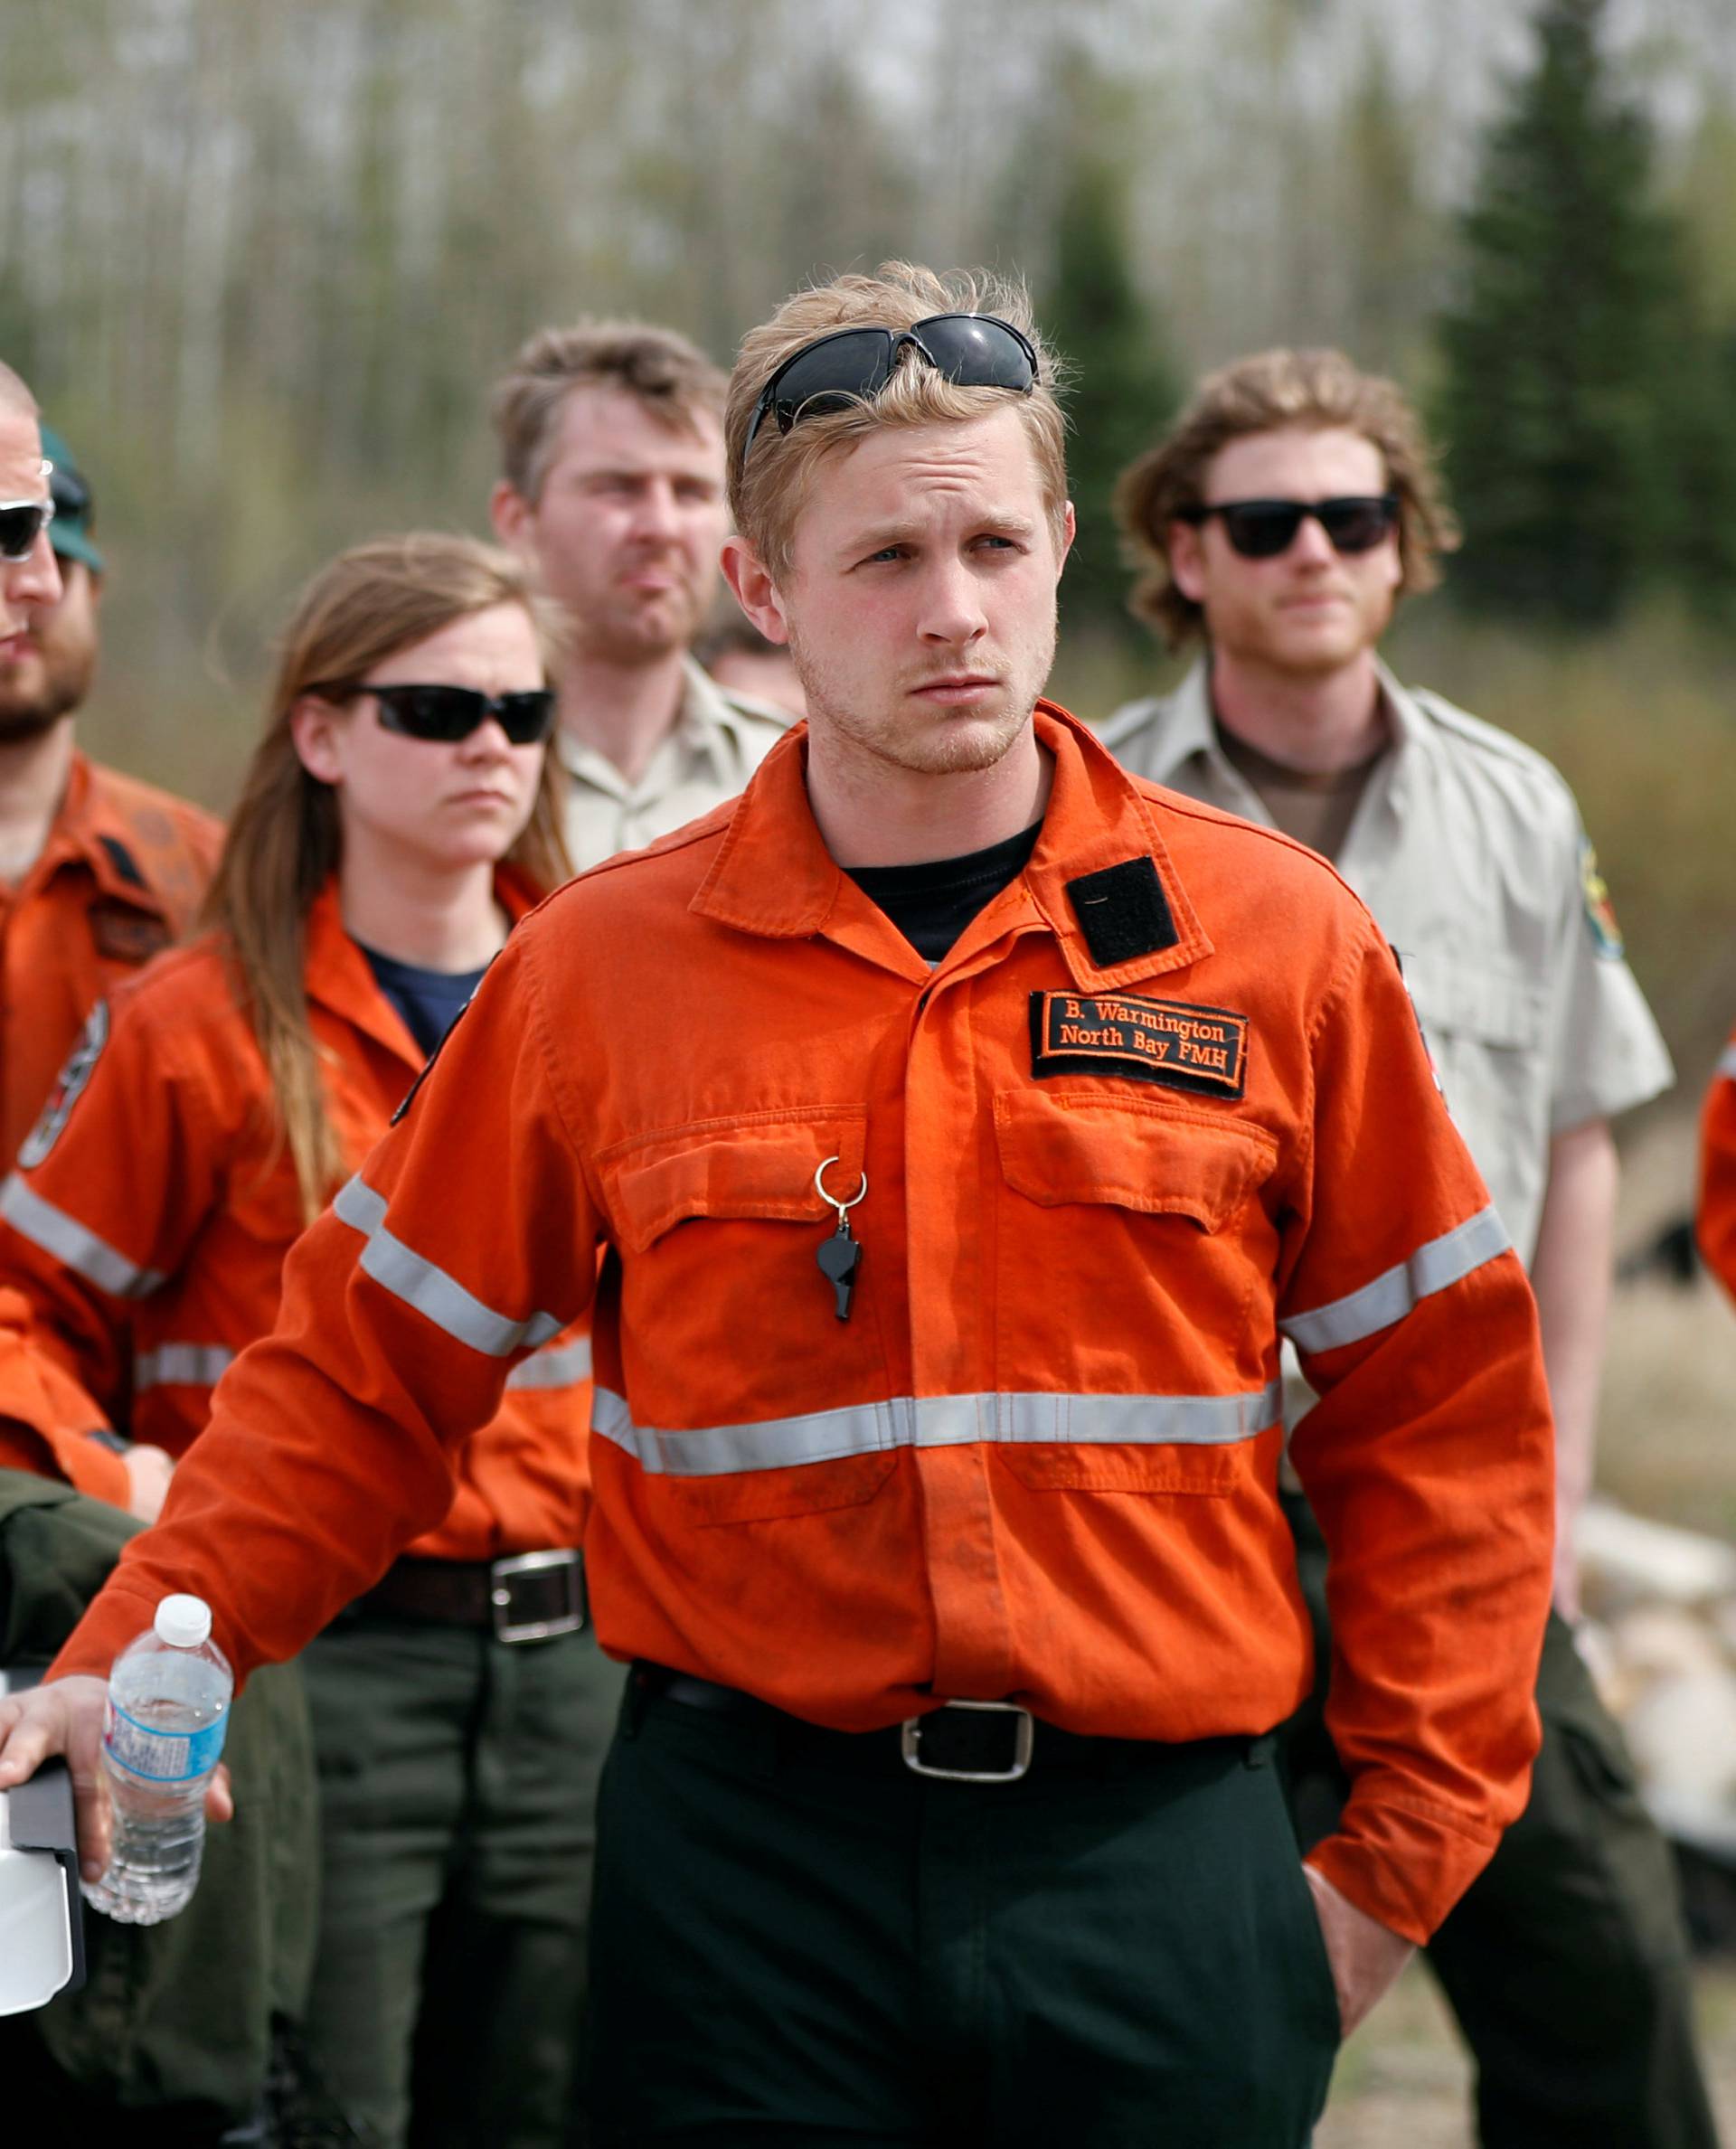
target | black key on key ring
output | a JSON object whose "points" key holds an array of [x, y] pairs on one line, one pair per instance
{"points": [[840, 1256]]}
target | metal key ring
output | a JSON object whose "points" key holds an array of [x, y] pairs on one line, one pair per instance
{"points": [[832, 1200]]}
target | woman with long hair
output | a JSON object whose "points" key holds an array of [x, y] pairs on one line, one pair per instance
{"points": [[397, 816]]}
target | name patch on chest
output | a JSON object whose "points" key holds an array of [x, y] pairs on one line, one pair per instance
{"points": [[124, 935], [1173, 1042]]}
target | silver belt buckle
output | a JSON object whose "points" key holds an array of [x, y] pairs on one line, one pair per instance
{"points": [[500, 1596], [910, 1743]]}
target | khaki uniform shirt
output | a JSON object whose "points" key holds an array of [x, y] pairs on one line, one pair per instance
{"points": [[718, 741], [1467, 848]]}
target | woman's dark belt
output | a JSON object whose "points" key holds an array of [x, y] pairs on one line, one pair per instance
{"points": [[531, 1597]]}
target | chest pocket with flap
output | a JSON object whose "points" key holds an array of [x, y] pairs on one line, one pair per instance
{"points": [[731, 1354], [1150, 1272]]}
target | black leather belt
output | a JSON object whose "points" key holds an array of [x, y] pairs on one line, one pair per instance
{"points": [[530, 1597], [975, 1742]]}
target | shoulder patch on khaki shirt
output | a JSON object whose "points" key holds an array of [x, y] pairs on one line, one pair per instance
{"points": [[1600, 911]]}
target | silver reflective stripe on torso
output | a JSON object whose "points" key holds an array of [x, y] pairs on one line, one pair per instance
{"points": [[180, 1365], [934, 1421], [562, 1366]]}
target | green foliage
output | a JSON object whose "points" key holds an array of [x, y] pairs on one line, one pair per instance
{"points": [[1123, 388], [1395, 251], [1702, 196], [1591, 448]]}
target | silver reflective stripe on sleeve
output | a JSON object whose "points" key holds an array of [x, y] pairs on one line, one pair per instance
{"points": [[934, 1421], [552, 1367], [67, 1241], [180, 1365], [1392, 1296], [437, 1296], [1727, 1062]]}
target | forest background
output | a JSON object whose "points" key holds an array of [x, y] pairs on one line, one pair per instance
{"points": [[262, 263]]}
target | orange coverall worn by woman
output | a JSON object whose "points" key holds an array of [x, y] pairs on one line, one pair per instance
{"points": [[397, 817], [1715, 1222]]}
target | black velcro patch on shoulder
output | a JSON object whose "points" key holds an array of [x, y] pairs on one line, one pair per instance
{"points": [[122, 860], [1123, 912], [1176, 1042]]}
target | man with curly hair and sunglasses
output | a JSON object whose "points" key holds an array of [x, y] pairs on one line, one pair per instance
{"points": [[943, 1133], [1279, 521]]}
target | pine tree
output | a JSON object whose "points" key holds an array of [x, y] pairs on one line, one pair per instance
{"points": [[1123, 388], [1564, 349]]}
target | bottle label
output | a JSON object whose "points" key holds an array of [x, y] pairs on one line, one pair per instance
{"points": [[162, 1756]]}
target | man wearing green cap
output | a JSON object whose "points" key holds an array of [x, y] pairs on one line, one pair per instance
{"points": [[172, 2035], [98, 871]]}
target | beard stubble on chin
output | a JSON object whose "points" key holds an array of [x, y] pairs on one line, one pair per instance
{"points": [[65, 684], [627, 638], [622, 629], [17, 727], [950, 745]]}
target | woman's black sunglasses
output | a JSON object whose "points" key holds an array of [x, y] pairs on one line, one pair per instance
{"points": [[973, 350], [1262, 528], [446, 714]]}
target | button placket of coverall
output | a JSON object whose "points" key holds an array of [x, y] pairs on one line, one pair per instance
{"points": [[949, 1241], [339, 978], [951, 1269]]}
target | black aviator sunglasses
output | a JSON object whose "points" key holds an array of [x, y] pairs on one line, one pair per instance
{"points": [[834, 371], [445, 714], [1262, 528]]}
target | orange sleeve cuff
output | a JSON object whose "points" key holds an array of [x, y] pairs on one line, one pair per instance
{"points": [[118, 1612], [86, 1464], [1406, 1867]]}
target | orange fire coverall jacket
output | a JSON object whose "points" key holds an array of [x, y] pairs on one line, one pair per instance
{"points": [[144, 1232], [1716, 1221], [121, 877], [1165, 1101]]}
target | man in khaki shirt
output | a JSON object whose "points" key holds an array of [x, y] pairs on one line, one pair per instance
{"points": [[1279, 521], [612, 481]]}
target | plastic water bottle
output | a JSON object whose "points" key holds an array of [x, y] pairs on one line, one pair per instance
{"points": [[169, 1709]]}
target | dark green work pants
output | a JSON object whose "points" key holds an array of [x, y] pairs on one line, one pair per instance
{"points": [[457, 1784], [1566, 1961], [170, 2039], [791, 1947]]}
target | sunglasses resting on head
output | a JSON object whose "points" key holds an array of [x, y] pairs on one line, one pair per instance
{"points": [[445, 714], [850, 365], [1262, 528]]}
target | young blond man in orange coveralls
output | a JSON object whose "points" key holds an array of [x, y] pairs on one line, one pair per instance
{"points": [[961, 1122]]}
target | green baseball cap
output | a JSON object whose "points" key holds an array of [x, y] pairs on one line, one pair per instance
{"points": [[74, 510]]}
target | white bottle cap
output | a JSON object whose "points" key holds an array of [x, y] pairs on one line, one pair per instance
{"points": [[182, 1621]]}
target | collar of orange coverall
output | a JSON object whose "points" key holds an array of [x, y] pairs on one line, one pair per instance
{"points": [[1100, 877], [93, 829], [339, 978]]}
